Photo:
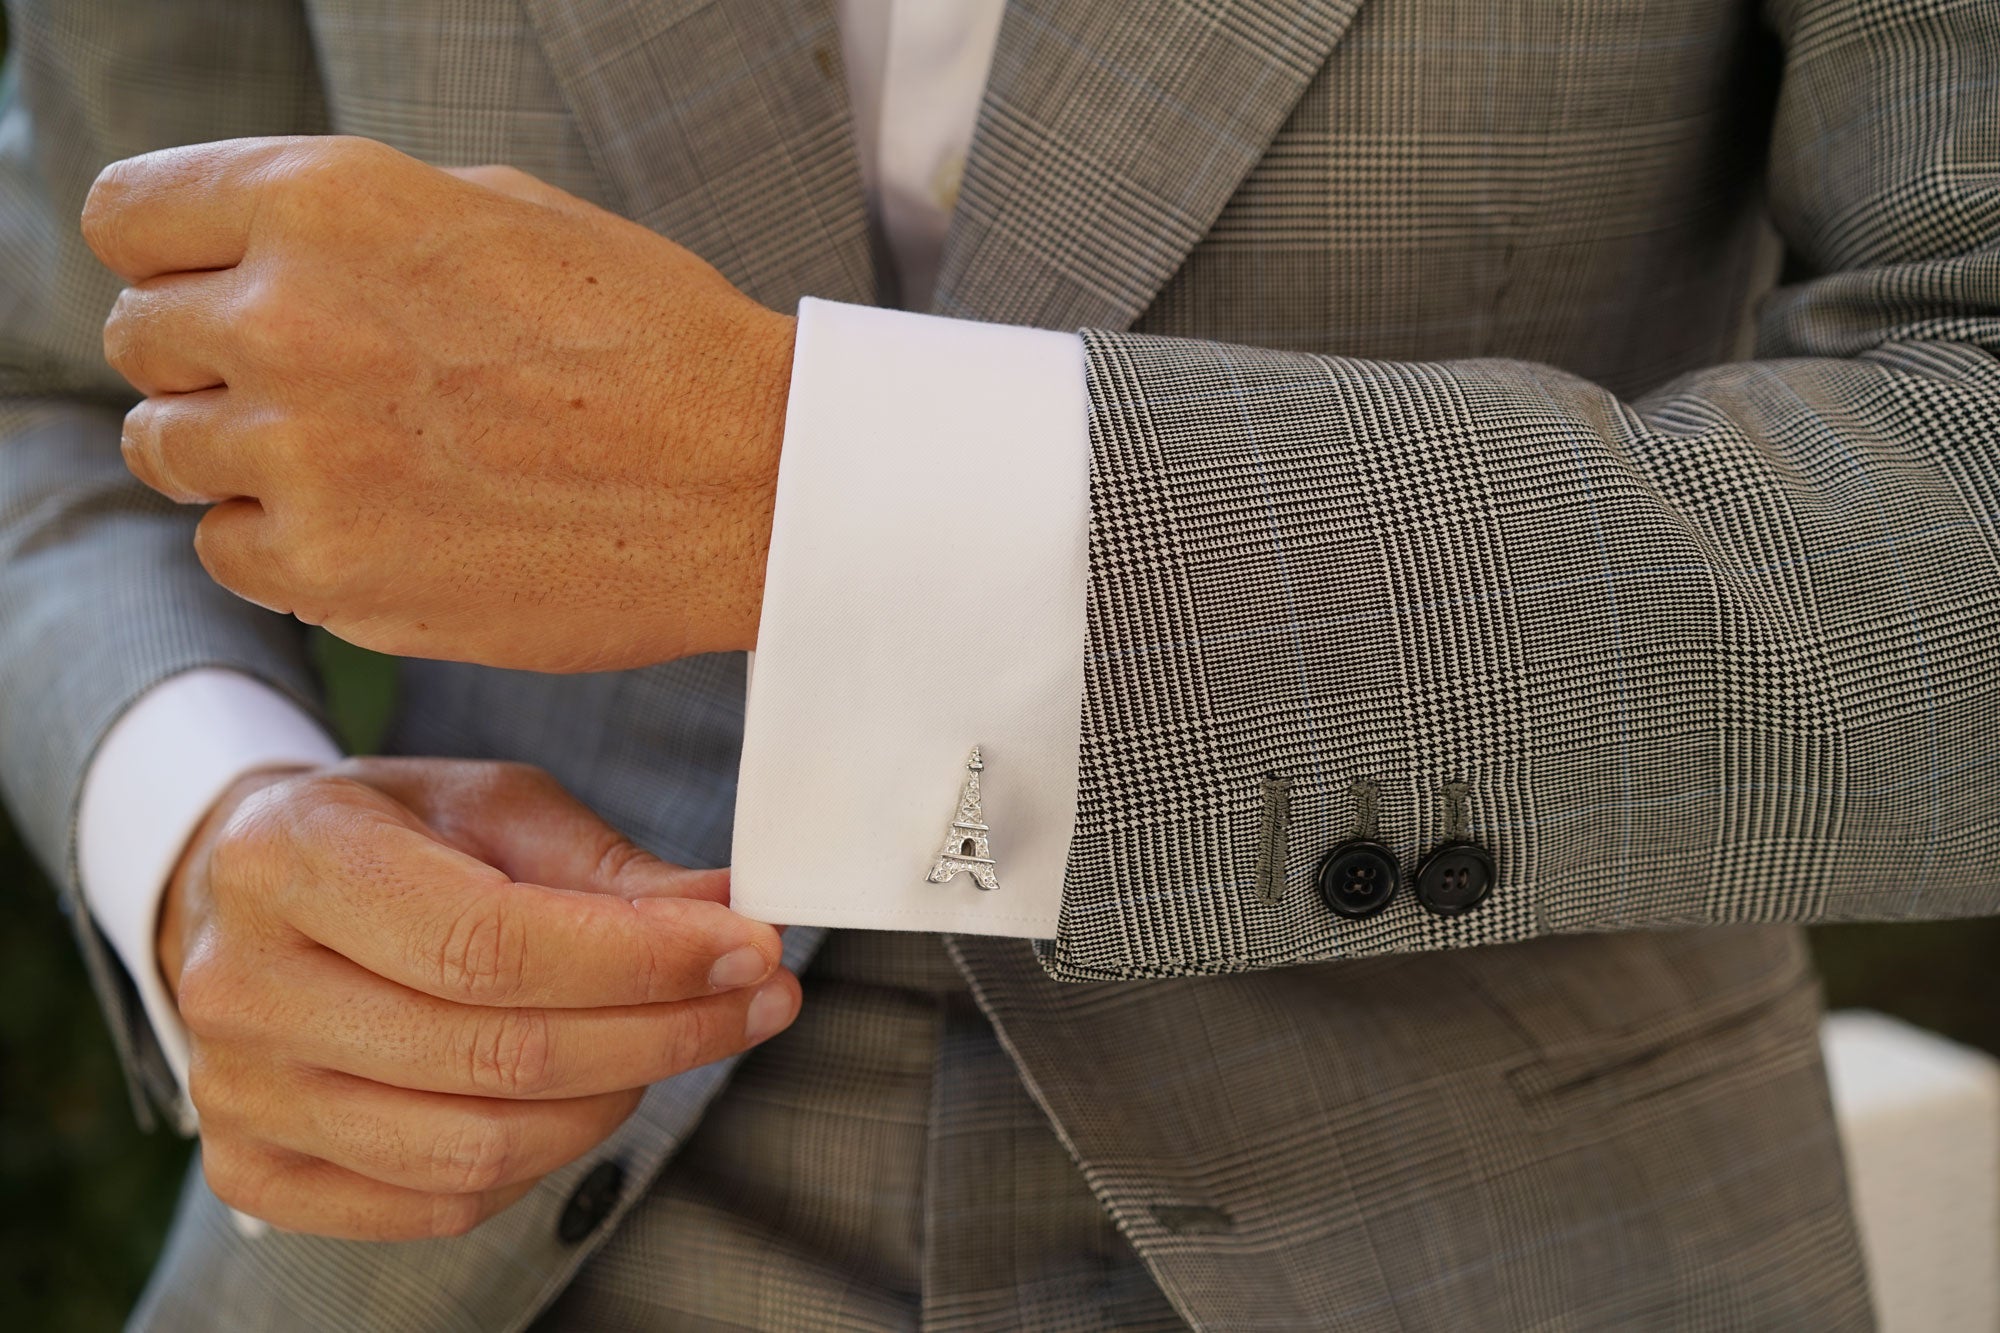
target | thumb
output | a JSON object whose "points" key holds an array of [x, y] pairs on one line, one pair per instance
{"points": [[522, 822]]}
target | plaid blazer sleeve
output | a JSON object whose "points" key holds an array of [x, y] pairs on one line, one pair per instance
{"points": [[101, 596], [1730, 652]]}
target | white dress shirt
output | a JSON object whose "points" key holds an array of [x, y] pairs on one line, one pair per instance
{"points": [[925, 591]]}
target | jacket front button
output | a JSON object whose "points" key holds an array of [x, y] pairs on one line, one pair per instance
{"points": [[1358, 878], [591, 1202], [1455, 878]]}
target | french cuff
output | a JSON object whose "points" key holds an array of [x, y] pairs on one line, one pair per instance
{"points": [[924, 596], [157, 772]]}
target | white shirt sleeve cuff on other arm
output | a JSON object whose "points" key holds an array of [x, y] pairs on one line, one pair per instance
{"points": [[159, 769], [924, 594]]}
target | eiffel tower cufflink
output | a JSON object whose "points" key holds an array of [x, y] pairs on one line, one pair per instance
{"points": [[965, 845]]}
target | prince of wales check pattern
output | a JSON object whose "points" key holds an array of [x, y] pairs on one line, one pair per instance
{"points": [[1426, 450]]}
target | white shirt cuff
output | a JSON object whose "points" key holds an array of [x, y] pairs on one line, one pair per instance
{"points": [[924, 595], [159, 769]]}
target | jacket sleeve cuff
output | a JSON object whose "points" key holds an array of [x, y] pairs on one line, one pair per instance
{"points": [[924, 595], [160, 768]]}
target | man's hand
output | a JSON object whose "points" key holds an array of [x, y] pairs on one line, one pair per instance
{"points": [[414, 987], [445, 414]]}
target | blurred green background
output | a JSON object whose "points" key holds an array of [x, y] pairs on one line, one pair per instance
{"points": [[85, 1197]]}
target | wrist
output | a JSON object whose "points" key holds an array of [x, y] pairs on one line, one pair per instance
{"points": [[750, 428], [776, 344]]}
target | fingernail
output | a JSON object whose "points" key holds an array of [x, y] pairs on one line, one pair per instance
{"points": [[738, 967], [770, 1010]]}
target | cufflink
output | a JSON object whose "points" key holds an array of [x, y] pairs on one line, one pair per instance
{"points": [[965, 847]]}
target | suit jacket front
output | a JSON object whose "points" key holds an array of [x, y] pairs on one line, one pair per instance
{"points": [[1422, 452]]}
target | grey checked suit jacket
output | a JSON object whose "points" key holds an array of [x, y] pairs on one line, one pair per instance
{"points": [[1422, 452]]}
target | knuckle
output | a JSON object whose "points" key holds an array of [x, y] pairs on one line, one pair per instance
{"points": [[243, 849], [212, 550], [121, 331], [498, 176], [208, 1088], [322, 807], [297, 175], [212, 1003], [472, 1156], [314, 178], [483, 956], [272, 845], [513, 1054], [235, 1105], [348, 150], [235, 1176], [102, 217], [156, 440], [200, 1001], [231, 542], [267, 323], [319, 553], [139, 440]]}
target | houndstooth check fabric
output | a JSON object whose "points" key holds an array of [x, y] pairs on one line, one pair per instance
{"points": [[1428, 449], [1722, 650]]}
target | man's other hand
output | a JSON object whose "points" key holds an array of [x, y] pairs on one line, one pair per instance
{"points": [[414, 987], [452, 414]]}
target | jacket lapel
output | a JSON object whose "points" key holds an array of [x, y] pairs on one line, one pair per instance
{"points": [[1111, 135], [726, 127]]}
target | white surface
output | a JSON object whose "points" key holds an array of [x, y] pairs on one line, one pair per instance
{"points": [[916, 71], [925, 590], [159, 769], [925, 594], [1920, 1126]]}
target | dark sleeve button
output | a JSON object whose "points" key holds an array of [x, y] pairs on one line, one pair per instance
{"points": [[1358, 878], [591, 1202], [1455, 878]]}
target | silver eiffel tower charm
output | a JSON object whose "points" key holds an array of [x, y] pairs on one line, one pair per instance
{"points": [[965, 845]]}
